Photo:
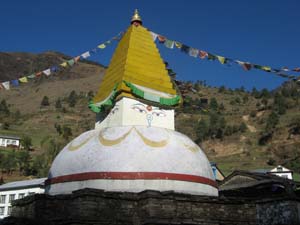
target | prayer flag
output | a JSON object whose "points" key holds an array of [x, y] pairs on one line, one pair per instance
{"points": [[38, 74], [31, 76], [266, 68], [154, 36], [93, 51], [285, 69], [211, 56], [203, 54], [246, 66], [47, 72], [178, 44], [54, 68], [15, 83], [71, 62], [64, 64], [102, 46], [76, 59], [185, 49], [6, 85], [161, 39], [169, 44], [85, 55], [297, 69], [193, 52], [23, 80], [221, 59]]}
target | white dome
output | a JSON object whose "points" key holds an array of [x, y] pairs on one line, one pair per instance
{"points": [[132, 159]]}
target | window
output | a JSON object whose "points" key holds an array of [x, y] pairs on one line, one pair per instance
{"points": [[279, 169], [9, 210], [2, 211], [21, 195], [31, 193], [2, 199], [13, 142], [11, 197], [284, 176]]}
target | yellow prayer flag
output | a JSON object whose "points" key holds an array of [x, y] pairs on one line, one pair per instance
{"points": [[177, 44], [23, 80], [221, 59], [64, 64], [266, 68], [102, 46]]}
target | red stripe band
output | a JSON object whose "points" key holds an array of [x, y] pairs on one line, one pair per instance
{"points": [[131, 176]]}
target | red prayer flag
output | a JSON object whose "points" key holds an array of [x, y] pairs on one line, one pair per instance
{"points": [[38, 74], [161, 39], [297, 69], [203, 54]]}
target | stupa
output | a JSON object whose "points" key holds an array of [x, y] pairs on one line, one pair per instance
{"points": [[134, 146]]}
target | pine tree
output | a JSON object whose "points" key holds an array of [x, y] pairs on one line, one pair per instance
{"points": [[45, 101]]}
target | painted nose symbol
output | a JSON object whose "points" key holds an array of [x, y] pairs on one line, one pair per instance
{"points": [[149, 119]]}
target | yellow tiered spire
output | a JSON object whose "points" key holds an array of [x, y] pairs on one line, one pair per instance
{"points": [[136, 60]]}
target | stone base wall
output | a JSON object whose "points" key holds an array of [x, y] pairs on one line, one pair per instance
{"points": [[97, 207]]}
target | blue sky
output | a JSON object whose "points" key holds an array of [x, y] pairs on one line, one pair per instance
{"points": [[261, 32]]}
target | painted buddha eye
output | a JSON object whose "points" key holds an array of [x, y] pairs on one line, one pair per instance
{"points": [[159, 113], [139, 109], [113, 111]]}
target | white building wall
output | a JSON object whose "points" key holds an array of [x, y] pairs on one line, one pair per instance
{"points": [[17, 195], [4, 142]]}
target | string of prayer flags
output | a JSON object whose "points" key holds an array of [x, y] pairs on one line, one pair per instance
{"points": [[16, 82], [224, 60]]}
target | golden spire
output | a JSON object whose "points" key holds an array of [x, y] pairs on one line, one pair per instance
{"points": [[135, 60], [136, 17]]}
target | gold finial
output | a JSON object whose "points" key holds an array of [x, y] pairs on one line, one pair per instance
{"points": [[136, 17]]}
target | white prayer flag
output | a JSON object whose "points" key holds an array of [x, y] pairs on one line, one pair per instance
{"points": [[85, 55], [47, 72], [6, 85], [154, 36]]}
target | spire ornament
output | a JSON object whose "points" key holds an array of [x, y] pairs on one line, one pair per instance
{"points": [[136, 19]]}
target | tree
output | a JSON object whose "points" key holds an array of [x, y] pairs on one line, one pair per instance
{"points": [[4, 107], [58, 104], [243, 127], [26, 142], [45, 101], [272, 121], [280, 104], [66, 132], [72, 99], [213, 105], [23, 160], [202, 130]]}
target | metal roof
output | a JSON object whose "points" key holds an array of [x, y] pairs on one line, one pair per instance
{"points": [[23, 184], [10, 137]]}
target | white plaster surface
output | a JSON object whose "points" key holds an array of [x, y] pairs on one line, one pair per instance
{"points": [[129, 112], [131, 149]]}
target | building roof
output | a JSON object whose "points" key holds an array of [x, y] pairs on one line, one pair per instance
{"points": [[23, 184], [136, 60], [10, 137]]}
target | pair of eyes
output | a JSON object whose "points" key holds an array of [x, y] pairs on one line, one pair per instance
{"points": [[158, 113]]}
